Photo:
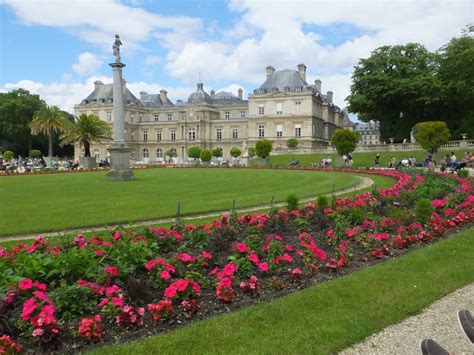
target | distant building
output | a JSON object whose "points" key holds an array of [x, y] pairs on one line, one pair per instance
{"points": [[284, 106], [369, 132]]}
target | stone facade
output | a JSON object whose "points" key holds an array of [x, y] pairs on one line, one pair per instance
{"points": [[283, 107], [369, 132]]}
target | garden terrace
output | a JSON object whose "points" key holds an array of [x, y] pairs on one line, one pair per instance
{"points": [[68, 296]]}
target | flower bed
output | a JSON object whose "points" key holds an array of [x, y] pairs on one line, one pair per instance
{"points": [[67, 296]]}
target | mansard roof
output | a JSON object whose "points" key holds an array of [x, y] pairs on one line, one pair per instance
{"points": [[154, 100], [284, 80], [199, 95], [105, 93], [225, 98]]}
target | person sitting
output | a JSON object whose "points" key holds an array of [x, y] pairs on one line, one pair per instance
{"points": [[428, 162], [377, 161], [328, 161]]}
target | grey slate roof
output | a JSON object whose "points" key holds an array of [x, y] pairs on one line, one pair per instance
{"points": [[226, 98], [104, 93], [284, 80], [199, 95], [154, 100]]}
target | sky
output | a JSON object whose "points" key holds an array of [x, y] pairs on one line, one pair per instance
{"points": [[58, 48]]}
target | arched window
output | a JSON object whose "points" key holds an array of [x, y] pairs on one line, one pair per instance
{"points": [[145, 153], [159, 153]]}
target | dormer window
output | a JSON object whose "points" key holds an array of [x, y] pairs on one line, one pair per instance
{"points": [[274, 89], [286, 89]]}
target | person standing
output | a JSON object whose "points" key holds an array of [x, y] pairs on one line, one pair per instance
{"points": [[377, 161]]}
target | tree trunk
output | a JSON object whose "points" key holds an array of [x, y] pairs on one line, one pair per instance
{"points": [[50, 145], [87, 149]]}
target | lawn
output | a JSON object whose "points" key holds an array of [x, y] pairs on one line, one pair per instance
{"points": [[40, 203], [331, 316], [361, 159]]}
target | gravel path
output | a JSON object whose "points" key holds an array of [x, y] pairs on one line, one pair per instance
{"points": [[438, 322], [364, 182]]}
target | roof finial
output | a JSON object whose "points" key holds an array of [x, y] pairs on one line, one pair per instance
{"points": [[199, 76]]}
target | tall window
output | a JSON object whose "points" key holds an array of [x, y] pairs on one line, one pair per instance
{"points": [[109, 116], [145, 135], [261, 109], [261, 131], [192, 134], [219, 134], [279, 108], [145, 153], [170, 116], [227, 114], [158, 135], [298, 130], [159, 153], [235, 133], [140, 118], [156, 117], [279, 131], [132, 117], [173, 134], [242, 114], [297, 106]]}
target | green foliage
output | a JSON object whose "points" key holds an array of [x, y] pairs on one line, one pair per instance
{"points": [[35, 153], [463, 173], [8, 155], [423, 210], [86, 129], [322, 202], [292, 202], [345, 141], [194, 152], [252, 152], [206, 155], [171, 153], [235, 152], [263, 148], [48, 120], [217, 153], [431, 135], [292, 143], [73, 300]]}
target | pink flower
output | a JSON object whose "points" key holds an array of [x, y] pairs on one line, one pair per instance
{"points": [[38, 332], [287, 257], [242, 248], [25, 284], [184, 257], [99, 252], [117, 301], [253, 257], [206, 255], [342, 248], [112, 271], [117, 235], [165, 275], [263, 266], [29, 307]]}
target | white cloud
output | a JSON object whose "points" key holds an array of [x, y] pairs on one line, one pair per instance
{"points": [[88, 64], [152, 59]]}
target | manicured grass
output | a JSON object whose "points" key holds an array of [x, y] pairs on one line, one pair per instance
{"points": [[379, 182], [40, 203], [331, 316], [360, 160]]}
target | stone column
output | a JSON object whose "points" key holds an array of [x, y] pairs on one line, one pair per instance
{"points": [[119, 150]]}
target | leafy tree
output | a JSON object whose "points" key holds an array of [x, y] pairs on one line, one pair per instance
{"points": [[217, 153], [17, 108], [431, 135], [263, 148], [171, 153], [87, 129], [206, 155], [35, 153], [292, 143], [398, 87], [8, 155], [252, 152], [345, 141], [194, 152], [48, 120], [235, 152], [456, 73]]}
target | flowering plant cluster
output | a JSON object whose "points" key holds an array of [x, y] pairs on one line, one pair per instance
{"points": [[97, 285]]}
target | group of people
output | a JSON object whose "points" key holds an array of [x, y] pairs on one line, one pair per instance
{"points": [[347, 158], [26, 165], [395, 164], [325, 162], [451, 161]]}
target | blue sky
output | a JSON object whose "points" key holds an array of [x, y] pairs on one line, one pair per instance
{"points": [[57, 48]]}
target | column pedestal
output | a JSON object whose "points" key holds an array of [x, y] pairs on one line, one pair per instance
{"points": [[120, 163]]}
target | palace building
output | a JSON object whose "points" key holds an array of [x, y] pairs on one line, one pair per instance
{"points": [[284, 106]]}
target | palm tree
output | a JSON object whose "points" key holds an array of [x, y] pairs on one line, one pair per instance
{"points": [[48, 120], [86, 129]]}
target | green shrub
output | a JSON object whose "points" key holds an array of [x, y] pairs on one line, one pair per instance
{"points": [[263, 148], [292, 143], [8, 155], [217, 152], [323, 202], [423, 210], [194, 152], [35, 153], [206, 155], [73, 300], [235, 152], [252, 152], [463, 173], [292, 202]]}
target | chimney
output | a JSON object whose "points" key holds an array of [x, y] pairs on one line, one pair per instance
{"points": [[317, 84], [270, 71], [302, 71], [142, 95], [200, 86], [163, 96], [98, 84], [213, 92], [329, 96], [240, 94]]}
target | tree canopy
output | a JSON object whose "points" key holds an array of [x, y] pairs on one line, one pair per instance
{"points": [[235, 152], [405, 84], [263, 148], [194, 152], [217, 153], [345, 141], [48, 120], [431, 135], [206, 155]]}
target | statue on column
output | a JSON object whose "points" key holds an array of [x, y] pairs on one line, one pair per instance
{"points": [[116, 48], [245, 153]]}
